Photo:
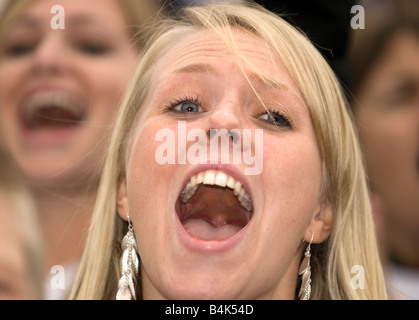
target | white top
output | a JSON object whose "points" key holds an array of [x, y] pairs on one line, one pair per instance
{"points": [[59, 282], [403, 282]]}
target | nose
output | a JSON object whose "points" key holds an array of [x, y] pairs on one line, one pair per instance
{"points": [[49, 57], [223, 125], [226, 119]]}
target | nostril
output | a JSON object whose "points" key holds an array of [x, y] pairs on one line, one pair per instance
{"points": [[235, 136]]}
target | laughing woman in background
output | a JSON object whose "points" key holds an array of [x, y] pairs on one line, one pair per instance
{"points": [[60, 90]]}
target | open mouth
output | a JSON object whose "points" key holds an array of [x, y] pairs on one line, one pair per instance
{"points": [[51, 110], [214, 206]]}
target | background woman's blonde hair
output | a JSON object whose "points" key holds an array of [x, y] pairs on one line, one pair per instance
{"points": [[352, 241], [14, 189]]}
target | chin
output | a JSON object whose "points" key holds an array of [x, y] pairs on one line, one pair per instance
{"points": [[204, 287]]}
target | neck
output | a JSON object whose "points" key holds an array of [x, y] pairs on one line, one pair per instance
{"points": [[64, 218]]}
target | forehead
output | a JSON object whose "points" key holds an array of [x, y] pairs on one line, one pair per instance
{"points": [[208, 49], [207, 44], [108, 11]]}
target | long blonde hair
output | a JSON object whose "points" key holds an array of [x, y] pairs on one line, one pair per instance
{"points": [[352, 241]]}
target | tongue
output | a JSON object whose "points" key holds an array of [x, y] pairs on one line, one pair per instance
{"points": [[213, 213], [203, 230]]}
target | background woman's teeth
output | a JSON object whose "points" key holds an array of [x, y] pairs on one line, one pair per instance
{"points": [[56, 99], [219, 179]]}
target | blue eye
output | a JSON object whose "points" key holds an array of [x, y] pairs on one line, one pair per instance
{"points": [[189, 107], [185, 105], [276, 119]]}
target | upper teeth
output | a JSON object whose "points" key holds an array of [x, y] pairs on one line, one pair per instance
{"points": [[220, 179], [57, 99]]}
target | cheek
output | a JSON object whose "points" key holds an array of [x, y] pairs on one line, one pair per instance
{"points": [[10, 74], [390, 140], [14, 73], [144, 146], [12, 79], [292, 164], [149, 187], [292, 179], [148, 179]]}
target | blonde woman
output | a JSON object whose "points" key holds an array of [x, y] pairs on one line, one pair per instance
{"points": [[61, 89], [21, 243], [196, 226]]}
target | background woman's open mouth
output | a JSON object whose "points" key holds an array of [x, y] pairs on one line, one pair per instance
{"points": [[48, 116], [214, 206]]}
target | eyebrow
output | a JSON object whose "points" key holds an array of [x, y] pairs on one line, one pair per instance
{"points": [[253, 77], [270, 82], [26, 21], [196, 68], [82, 19]]}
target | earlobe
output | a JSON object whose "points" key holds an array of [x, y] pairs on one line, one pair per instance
{"points": [[122, 205], [320, 225]]}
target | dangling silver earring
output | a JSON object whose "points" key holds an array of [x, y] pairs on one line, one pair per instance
{"points": [[129, 265], [305, 272]]}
